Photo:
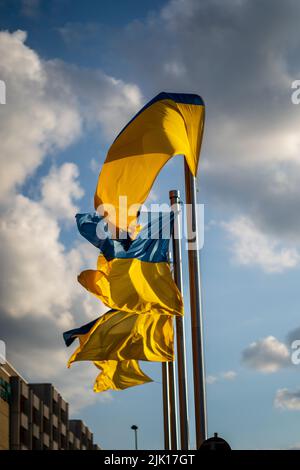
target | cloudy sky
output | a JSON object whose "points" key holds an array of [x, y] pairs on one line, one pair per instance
{"points": [[75, 73]]}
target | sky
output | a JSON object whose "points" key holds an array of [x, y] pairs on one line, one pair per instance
{"points": [[75, 73]]}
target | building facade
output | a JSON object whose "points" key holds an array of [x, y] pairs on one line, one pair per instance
{"points": [[36, 417]]}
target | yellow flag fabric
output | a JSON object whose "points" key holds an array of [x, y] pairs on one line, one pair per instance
{"points": [[119, 375], [117, 340], [135, 286], [170, 124], [121, 335]]}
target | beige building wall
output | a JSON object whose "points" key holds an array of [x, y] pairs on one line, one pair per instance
{"points": [[4, 411]]}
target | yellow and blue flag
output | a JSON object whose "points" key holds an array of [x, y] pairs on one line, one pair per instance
{"points": [[123, 337], [133, 275], [170, 124], [135, 278], [134, 286], [150, 244]]}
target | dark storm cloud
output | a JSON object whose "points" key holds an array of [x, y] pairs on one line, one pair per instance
{"points": [[16, 331]]}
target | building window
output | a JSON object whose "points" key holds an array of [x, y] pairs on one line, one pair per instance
{"points": [[24, 405], [46, 425], [36, 416], [55, 434], [55, 407], [23, 436], [5, 390], [63, 416]]}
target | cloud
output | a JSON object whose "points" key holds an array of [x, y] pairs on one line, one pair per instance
{"points": [[251, 247], [266, 355], [249, 162], [40, 297], [211, 379], [250, 155], [227, 375], [59, 188], [287, 400], [49, 105], [39, 117], [105, 102], [40, 273], [35, 347]]}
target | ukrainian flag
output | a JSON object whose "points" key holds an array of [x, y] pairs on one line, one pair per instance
{"points": [[151, 243], [120, 335], [117, 340], [132, 276], [115, 374], [170, 124]]}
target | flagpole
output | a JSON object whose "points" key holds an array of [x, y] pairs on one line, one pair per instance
{"points": [[166, 408], [172, 404], [196, 310], [180, 333]]}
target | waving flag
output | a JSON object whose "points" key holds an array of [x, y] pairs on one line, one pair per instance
{"points": [[133, 275], [136, 278], [119, 375], [122, 337], [170, 124], [134, 286], [151, 243]]}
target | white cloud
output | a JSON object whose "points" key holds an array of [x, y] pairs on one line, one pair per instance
{"points": [[229, 375], [252, 247], [287, 400], [105, 102], [38, 117], [266, 355], [59, 188], [40, 296], [49, 104], [211, 379], [40, 274]]}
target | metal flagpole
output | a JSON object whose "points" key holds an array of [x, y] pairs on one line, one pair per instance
{"points": [[166, 409], [180, 334], [172, 402], [196, 309]]}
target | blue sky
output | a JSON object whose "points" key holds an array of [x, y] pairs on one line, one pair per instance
{"points": [[80, 73]]}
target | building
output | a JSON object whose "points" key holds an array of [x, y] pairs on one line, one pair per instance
{"points": [[36, 417]]}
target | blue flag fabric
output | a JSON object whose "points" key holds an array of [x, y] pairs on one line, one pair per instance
{"points": [[70, 335], [151, 243]]}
